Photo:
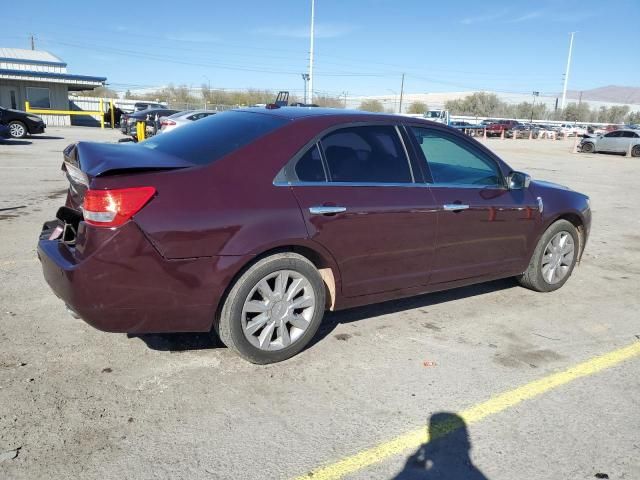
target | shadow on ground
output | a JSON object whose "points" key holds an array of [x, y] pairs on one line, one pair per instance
{"points": [[15, 142], [177, 342], [446, 455], [333, 319]]}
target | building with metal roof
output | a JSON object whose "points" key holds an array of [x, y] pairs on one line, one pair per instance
{"points": [[40, 78]]}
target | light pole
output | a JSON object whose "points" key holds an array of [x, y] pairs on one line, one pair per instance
{"points": [[305, 77], [566, 74], [310, 80], [535, 94], [208, 90]]}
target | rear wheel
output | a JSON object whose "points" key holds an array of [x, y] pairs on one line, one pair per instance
{"points": [[553, 259], [17, 129], [273, 310], [588, 147], [635, 151]]}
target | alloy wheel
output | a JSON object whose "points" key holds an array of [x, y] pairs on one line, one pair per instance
{"points": [[278, 310], [17, 130], [558, 257]]}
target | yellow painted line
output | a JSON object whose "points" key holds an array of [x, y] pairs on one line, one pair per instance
{"points": [[475, 414]]}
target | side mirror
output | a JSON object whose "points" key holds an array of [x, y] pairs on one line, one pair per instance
{"points": [[518, 181]]}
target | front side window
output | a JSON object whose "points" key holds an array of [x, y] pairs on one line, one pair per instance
{"points": [[452, 161], [38, 97], [615, 134], [366, 154]]}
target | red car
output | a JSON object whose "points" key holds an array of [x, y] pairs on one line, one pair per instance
{"points": [[497, 128], [252, 223]]}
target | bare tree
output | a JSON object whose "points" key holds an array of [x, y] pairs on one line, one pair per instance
{"points": [[418, 107], [372, 106]]}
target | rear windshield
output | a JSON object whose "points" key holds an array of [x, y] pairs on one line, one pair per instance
{"points": [[211, 138]]}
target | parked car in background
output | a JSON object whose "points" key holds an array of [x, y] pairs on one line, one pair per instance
{"points": [[521, 131], [150, 116], [251, 223], [21, 123], [571, 129], [181, 119], [496, 129], [466, 127], [139, 106], [618, 141]]}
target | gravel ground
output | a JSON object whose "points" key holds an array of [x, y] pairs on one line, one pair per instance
{"points": [[79, 403]]}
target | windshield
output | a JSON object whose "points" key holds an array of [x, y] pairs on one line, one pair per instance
{"points": [[211, 138]]}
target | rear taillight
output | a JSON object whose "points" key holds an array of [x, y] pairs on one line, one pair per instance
{"points": [[110, 208], [164, 123]]}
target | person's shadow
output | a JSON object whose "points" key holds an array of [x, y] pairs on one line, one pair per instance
{"points": [[446, 455]]}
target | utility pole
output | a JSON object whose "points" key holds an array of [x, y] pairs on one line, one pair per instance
{"points": [[535, 94], [401, 92], [566, 74], [344, 94], [33, 42], [310, 83], [305, 77]]}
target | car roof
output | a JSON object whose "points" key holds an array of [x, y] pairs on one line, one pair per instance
{"points": [[292, 113]]}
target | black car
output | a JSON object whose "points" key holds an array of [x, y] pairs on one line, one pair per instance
{"points": [[150, 116], [21, 123]]}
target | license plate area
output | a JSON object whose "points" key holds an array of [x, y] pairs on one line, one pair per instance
{"points": [[64, 227]]}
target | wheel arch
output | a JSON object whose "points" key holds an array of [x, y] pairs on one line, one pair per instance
{"points": [[316, 254], [577, 221]]}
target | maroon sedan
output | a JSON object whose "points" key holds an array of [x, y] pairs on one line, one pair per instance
{"points": [[252, 223]]}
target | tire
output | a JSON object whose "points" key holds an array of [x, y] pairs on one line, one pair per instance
{"points": [[17, 129], [635, 151], [588, 147], [538, 275], [252, 315]]}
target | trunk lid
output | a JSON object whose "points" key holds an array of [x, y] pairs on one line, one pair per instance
{"points": [[84, 161]]}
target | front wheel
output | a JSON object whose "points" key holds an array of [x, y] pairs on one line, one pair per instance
{"points": [[635, 151], [273, 310], [17, 129], [588, 147], [553, 259]]}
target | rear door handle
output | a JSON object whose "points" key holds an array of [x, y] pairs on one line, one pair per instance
{"points": [[453, 207], [326, 210]]}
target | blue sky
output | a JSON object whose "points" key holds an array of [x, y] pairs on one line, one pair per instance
{"points": [[362, 46]]}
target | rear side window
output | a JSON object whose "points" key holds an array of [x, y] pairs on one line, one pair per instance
{"points": [[614, 134], [309, 168], [452, 161], [213, 137], [368, 154]]}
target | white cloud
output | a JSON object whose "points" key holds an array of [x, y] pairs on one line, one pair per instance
{"points": [[527, 16], [322, 30]]}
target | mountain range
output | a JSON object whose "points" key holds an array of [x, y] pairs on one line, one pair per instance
{"points": [[610, 93]]}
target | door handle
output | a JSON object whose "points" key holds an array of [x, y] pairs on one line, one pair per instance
{"points": [[326, 210], [454, 207]]}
